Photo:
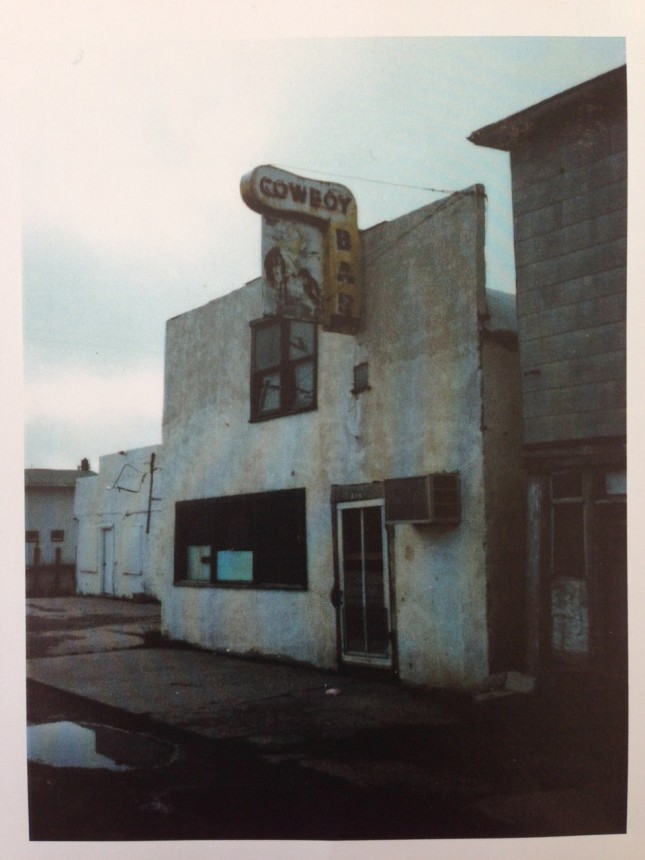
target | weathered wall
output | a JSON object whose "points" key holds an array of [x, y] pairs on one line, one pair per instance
{"points": [[47, 509], [423, 281], [570, 216], [421, 339], [117, 499]]}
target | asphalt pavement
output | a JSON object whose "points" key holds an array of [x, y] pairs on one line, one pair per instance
{"points": [[256, 740]]}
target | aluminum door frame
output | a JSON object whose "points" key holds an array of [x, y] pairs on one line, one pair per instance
{"points": [[352, 657]]}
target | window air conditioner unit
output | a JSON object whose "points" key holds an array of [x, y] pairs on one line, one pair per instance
{"points": [[424, 499]]}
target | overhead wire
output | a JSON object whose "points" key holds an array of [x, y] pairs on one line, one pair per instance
{"points": [[455, 195], [375, 181], [454, 198]]}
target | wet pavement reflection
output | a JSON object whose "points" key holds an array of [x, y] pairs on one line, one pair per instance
{"points": [[69, 744]]}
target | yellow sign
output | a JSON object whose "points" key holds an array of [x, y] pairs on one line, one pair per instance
{"points": [[310, 247]]}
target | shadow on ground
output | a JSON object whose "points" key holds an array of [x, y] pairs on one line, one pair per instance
{"points": [[507, 769]]}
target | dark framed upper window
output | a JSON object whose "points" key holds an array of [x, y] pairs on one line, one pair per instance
{"points": [[256, 540], [283, 367], [31, 536], [57, 535]]}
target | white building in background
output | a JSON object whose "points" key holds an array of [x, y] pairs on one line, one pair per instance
{"points": [[342, 486], [51, 530], [117, 512]]}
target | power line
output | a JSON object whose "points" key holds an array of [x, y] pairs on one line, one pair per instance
{"points": [[365, 179], [454, 196], [449, 201]]}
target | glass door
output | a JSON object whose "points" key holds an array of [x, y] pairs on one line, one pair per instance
{"points": [[364, 583]]}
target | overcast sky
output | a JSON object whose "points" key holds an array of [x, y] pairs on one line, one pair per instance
{"points": [[132, 156], [129, 127]]}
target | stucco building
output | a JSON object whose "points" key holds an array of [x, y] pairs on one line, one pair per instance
{"points": [[51, 530], [351, 497], [569, 178], [117, 512]]}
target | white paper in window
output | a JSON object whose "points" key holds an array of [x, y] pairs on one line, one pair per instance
{"points": [[570, 616], [616, 483], [199, 563], [234, 566]]}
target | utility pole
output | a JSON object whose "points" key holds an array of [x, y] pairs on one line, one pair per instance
{"points": [[152, 471]]}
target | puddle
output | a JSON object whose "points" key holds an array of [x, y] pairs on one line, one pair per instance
{"points": [[67, 744]]}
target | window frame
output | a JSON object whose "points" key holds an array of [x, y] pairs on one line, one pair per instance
{"points": [[286, 368], [271, 527], [32, 536], [57, 535]]}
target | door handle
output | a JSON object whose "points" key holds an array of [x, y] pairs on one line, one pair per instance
{"points": [[336, 596]]}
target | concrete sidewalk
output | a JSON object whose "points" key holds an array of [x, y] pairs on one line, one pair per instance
{"points": [[210, 694], [536, 766]]}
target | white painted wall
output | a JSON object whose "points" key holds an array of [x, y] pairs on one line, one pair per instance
{"points": [[117, 500], [423, 291]]}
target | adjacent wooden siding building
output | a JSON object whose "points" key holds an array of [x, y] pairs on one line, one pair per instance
{"points": [[569, 174]]}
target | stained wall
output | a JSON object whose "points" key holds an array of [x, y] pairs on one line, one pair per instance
{"points": [[424, 298]]}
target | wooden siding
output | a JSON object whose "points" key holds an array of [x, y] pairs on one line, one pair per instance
{"points": [[561, 241], [568, 147], [573, 425], [575, 399], [570, 345], [584, 314], [564, 186], [569, 292], [570, 212], [603, 367], [593, 260]]}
